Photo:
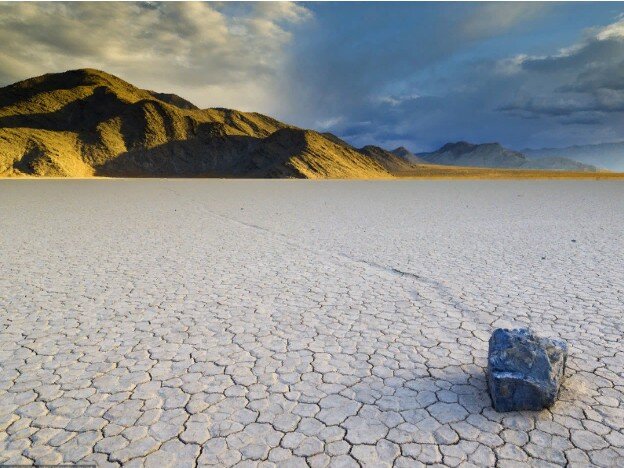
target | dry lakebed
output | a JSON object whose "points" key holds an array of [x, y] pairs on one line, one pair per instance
{"points": [[292, 323]]}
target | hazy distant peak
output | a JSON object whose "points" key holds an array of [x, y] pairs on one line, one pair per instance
{"points": [[457, 147], [460, 147], [401, 150], [607, 155], [406, 154], [494, 155]]}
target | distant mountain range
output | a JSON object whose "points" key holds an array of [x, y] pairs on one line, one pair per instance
{"points": [[605, 155], [495, 155], [86, 122]]}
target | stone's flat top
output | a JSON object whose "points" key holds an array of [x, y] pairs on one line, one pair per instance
{"points": [[525, 352], [188, 322], [525, 369]]}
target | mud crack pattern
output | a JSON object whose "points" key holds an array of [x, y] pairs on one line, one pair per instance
{"points": [[280, 323]]}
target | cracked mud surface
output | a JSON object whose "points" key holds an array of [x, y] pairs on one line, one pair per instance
{"points": [[290, 323]]}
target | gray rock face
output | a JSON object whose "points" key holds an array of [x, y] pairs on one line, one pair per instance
{"points": [[524, 370]]}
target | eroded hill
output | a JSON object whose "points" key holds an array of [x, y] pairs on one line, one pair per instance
{"points": [[87, 122]]}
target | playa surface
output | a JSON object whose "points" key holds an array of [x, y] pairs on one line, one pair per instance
{"points": [[195, 322]]}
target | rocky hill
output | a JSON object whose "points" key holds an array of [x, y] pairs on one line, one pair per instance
{"points": [[607, 155], [87, 122], [387, 159], [496, 156], [406, 154]]}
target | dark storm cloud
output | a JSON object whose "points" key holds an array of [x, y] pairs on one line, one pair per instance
{"points": [[423, 75], [583, 83], [378, 50]]}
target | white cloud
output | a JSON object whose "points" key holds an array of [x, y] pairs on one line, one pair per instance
{"points": [[211, 53], [498, 17], [395, 100], [583, 81], [327, 124], [512, 65], [612, 31]]}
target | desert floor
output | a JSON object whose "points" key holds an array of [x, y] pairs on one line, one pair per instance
{"points": [[194, 322]]}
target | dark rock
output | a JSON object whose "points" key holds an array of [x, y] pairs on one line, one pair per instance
{"points": [[524, 370]]}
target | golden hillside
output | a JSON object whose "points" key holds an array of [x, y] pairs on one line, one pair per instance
{"points": [[89, 123]]}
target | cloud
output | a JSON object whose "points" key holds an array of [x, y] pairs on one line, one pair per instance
{"points": [[498, 17], [586, 78], [418, 75], [328, 123], [574, 95], [395, 100], [214, 54], [613, 31], [386, 63]]}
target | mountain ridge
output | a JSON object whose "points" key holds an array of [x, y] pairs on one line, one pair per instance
{"points": [[406, 154], [494, 155], [87, 122], [387, 159], [607, 155]]}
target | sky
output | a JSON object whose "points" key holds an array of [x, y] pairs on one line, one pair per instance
{"points": [[419, 75]]}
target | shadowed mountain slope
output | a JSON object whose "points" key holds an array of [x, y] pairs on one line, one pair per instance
{"points": [[496, 156], [337, 140], [391, 162], [607, 155], [87, 122], [406, 154]]}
